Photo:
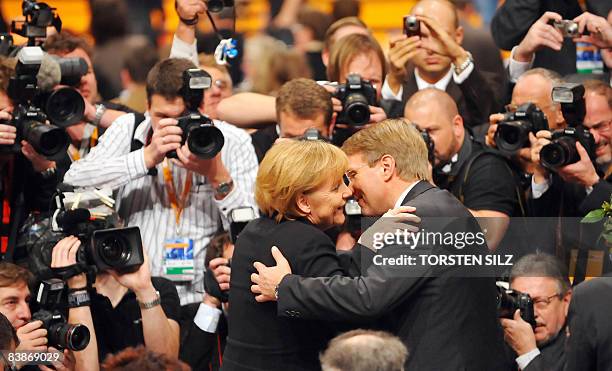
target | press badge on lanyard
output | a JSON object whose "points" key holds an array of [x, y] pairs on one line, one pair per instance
{"points": [[178, 263]]}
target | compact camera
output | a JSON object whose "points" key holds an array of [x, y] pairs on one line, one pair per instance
{"points": [[412, 26], [568, 28]]}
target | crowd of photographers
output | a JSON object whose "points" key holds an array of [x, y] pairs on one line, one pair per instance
{"points": [[120, 215]]}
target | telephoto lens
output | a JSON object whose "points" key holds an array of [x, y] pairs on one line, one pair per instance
{"points": [[64, 106]]}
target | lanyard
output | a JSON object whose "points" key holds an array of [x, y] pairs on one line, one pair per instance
{"points": [[178, 204], [76, 154]]}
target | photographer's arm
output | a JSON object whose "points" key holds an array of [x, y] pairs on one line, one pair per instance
{"points": [[161, 334], [247, 109], [184, 44], [64, 255], [110, 163]]}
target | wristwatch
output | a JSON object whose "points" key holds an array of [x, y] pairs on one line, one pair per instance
{"points": [[47, 173], [469, 60], [276, 292], [152, 303], [223, 189], [100, 109]]}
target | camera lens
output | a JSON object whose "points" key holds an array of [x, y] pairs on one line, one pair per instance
{"points": [[114, 251], [214, 6], [65, 107], [512, 136], [48, 140], [357, 109], [73, 337], [205, 140], [559, 153], [506, 304]]}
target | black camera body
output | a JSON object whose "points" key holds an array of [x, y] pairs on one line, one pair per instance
{"points": [[30, 120], [313, 134], [199, 132], [238, 219], [561, 151], [216, 6], [353, 214], [412, 26], [513, 131], [51, 296], [430, 146], [508, 301], [356, 97]]}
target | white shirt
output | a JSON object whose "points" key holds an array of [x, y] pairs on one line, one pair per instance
{"points": [[142, 199], [516, 68], [441, 84], [524, 360], [399, 201]]}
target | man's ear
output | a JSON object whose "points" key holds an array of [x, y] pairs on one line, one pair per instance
{"points": [[303, 205], [459, 33], [387, 163], [457, 125], [567, 298], [325, 56]]}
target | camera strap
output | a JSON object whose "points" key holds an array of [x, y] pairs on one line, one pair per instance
{"points": [[178, 204]]}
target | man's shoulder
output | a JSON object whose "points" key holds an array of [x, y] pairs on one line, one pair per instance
{"points": [[231, 132], [436, 202]]}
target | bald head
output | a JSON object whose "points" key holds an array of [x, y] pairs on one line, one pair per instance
{"points": [[435, 101], [443, 11], [435, 112], [535, 86]]}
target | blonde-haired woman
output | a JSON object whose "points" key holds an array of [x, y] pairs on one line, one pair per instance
{"points": [[301, 193]]}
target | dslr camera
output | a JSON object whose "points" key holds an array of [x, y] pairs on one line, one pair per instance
{"points": [[561, 151], [430, 146], [412, 26], [513, 131], [357, 95], [202, 137], [508, 301], [30, 120], [51, 297]]}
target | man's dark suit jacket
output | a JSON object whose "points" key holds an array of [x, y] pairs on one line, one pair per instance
{"points": [[590, 326], [551, 357], [514, 18], [476, 97], [447, 323], [258, 339]]}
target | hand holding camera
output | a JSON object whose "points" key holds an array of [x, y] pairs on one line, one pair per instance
{"points": [[167, 138], [222, 271], [32, 336], [599, 29], [190, 9], [541, 34], [401, 51], [450, 47], [519, 334], [582, 171], [538, 141], [138, 281], [65, 255]]}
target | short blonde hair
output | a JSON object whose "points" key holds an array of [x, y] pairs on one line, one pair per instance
{"points": [[394, 137], [291, 168]]}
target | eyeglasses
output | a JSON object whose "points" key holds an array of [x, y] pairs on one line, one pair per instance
{"points": [[350, 175], [542, 303]]}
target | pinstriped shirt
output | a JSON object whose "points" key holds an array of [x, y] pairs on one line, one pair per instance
{"points": [[142, 200]]}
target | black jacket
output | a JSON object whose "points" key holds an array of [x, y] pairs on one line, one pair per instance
{"points": [[258, 339], [446, 321], [590, 341]]}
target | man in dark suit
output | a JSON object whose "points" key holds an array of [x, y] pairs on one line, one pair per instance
{"points": [[544, 279], [590, 329], [436, 58], [517, 21], [447, 321]]}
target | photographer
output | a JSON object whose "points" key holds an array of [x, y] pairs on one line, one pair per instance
{"points": [[522, 26], [582, 185], [172, 201], [301, 104], [15, 306], [543, 347], [125, 309], [439, 61], [482, 180]]}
